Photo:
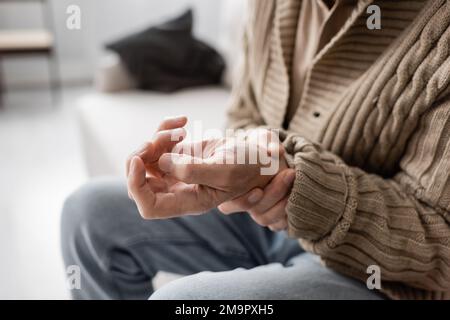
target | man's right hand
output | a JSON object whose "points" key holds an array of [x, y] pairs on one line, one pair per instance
{"points": [[163, 142]]}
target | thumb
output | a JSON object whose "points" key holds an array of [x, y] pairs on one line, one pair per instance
{"points": [[139, 188]]}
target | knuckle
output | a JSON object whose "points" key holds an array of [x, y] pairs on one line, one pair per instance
{"points": [[145, 146], [261, 220], [225, 208], [226, 212], [147, 214], [262, 224], [274, 228], [187, 172]]}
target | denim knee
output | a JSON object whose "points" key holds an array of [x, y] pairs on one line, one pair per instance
{"points": [[186, 288], [90, 213]]}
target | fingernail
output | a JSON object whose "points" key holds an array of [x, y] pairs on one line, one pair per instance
{"points": [[273, 150], [178, 118], [177, 134], [145, 148], [254, 197], [289, 178]]}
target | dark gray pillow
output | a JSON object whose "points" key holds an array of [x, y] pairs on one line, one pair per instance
{"points": [[167, 57]]}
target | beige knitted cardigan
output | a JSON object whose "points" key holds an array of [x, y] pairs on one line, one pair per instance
{"points": [[370, 140]]}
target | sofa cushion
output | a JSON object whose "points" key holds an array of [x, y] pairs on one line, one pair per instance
{"points": [[113, 125], [111, 75]]}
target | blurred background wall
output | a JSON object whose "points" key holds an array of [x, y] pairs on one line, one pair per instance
{"points": [[102, 21]]}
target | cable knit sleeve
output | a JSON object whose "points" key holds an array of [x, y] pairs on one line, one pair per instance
{"points": [[353, 219]]}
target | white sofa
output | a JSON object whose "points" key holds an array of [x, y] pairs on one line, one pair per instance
{"points": [[114, 124]]}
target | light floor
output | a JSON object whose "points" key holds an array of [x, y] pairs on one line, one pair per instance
{"points": [[40, 164]]}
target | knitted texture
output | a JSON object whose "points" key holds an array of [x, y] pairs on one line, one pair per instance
{"points": [[370, 140]]}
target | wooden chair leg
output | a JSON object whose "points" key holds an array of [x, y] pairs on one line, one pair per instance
{"points": [[1, 86], [53, 62], [55, 79]]}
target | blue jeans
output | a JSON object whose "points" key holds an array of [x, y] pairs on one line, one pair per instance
{"points": [[223, 257]]}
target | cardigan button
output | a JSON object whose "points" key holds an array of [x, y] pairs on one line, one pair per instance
{"points": [[316, 114]]}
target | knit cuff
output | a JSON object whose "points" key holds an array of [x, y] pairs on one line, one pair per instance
{"points": [[318, 198]]}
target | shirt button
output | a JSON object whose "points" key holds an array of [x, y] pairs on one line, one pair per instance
{"points": [[316, 114]]}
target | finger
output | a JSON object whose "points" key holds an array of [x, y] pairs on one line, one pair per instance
{"points": [[192, 148], [155, 184], [279, 226], [191, 170], [180, 199], [163, 142], [272, 216], [172, 123], [278, 189], [193, 199], [276, 149], [139, 189], [167, 124], [152, 205], [145, 146], [242, 203]]}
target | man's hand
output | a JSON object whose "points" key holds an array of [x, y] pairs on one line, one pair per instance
{"points": [[163, 141], [266, 207], [184, 184]]}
